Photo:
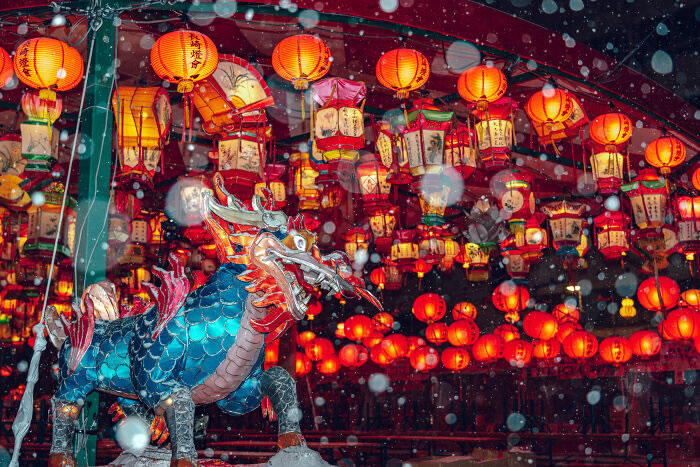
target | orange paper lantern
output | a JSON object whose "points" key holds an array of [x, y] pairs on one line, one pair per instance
{"points": [[378, 278], [488, 347], [463, 332], [403, 70], [436, 333], [319, 348], [48, 64], [660, 296], [429, 307], [546, 349], [482, 84], [611, 130], [463, 310], [549, 106], [645, 343], [383, 322], [508, 332], [300, 59], [690, 298], [358, 327], [565, 312], [696, 178], [378, 356], [272, 351], [540, 325], [373, 339], [303, 364], [615, 350], [580, 345], [184, 57], [455, 358], [394, 346], [683, 324], [314, 309], [518, 352], [424, 358], [329, 365], [510, 297], [564, 329], [6, 68], [665, 153], [353, 355], [303, 338]]}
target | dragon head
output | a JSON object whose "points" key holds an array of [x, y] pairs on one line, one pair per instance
{"points": [[284, 267]]}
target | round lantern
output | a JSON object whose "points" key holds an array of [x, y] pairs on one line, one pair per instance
{"points": [[303, 364], [6, 68], [424, 358], [580, 345], [565, 312], [329, 365], [627, 310], [358, 327], [378, 278], [463, 310], [508, 332], [395, 346], [48, 64], [611, 130], [510, 297], [488, 347], [691, 298], [300, 59], [683, 324], [436, 333], [373, 339], [319, 348], [564, 329], [658, 295], [383, 322], [549, 106], [546, 349], [403, 70], [303, 338], [378, 356], [455, 358], [429, 307], [413, 343], [665, 153], [664, 331], [482, 84], [615, 350], [272, 352], [353, 355], [462, 332], [518, 352], [540, 325], [645, 343], [314, 309]]}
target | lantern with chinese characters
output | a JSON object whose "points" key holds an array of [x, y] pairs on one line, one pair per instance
{"points": [[463, 310], [356, 242], [566, 224], [611, 130], [424, 358], [476, 261], [540, 325], [391, 150], [495, 132], [546, 349], [615, 350], [515, 198], [424, 136], [517, 352], [665, 153], [460, 150], [353, 355], [395, 346], [429, 307], [580, 345], [436, 333], [488, 348], [551, 132], [382, 222], [516, 263], [645, 343], [481, 85], [683, 324], [43, 224], [611, 234], [455, 358], [607, 169], [142, 118], [689, 224], [338, 124], [305, 182], [564, 329], [374, 188], [139, 238], [184, 57], [404, 252], [431, 246], [658, 294], [648, 197], [402, 70], [510, 297], [242, 159], [271, 184], [507, 332], [301, 58], [565, 312], [463, 332], [549, 106]]}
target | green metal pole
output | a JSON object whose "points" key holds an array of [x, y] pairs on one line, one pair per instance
{"points": [[95, 152]]}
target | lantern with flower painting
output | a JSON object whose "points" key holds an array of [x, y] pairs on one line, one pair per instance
{"points": [[43, 224], [514, 258], [382, 222], [356, 241], [515, 198], [495, 133], [607, 169], [648, 197], [371, 175], [460, 150], [476, 261], [143, 117], [689, 224], [404, 251], [566, 223], [611, 234], [241, 158], [305, 182], [424, 137]]}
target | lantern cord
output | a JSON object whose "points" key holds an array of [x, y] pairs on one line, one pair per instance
{"points": [[303, 115], [25, 412]]}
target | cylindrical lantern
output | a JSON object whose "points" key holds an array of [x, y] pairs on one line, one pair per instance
{"points": [[608, 171], [615, 350], [515, 260], [566, 224], [429, 307], [645, 343], [455, 358], [495, 133], [683, 324], [402, 70], [611, 130], [658, 294], [611, 234], [424, 358], [580, 345], [42, 225], [431, 247], [665, 153], [517, 352], [648, 197], [488, 348], [436, 333], [540, 325], [463, 332], [689, 225]]}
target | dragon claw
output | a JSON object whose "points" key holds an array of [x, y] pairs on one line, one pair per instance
{"points": [[267, 410]]}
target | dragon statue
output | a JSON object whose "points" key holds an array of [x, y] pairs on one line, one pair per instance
{"points": [[187, 348]]}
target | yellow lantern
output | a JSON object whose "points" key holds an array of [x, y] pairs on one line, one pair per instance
{"points": [[404, 252], [627, 310], [305, 182]]}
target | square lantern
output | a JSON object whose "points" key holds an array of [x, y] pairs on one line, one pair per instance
{"points": [[424, 137], [392, 152], [273, 185], [476, 261], [305, 182], [39, 145], [689, 224], [434, 190], [607, 171], [242, 159], [648, 196], [374, 188], [404, 252], [143, 117], [460, 150], [382, 222], [515, 260], [452, 250], [431, 246], [515, 199], [495, 133], [566, 224], [612, 233], [140, 237], [43, 224], [12, 162]]}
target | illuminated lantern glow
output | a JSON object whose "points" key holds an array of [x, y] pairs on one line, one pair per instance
{"points": [[413, 343], [464, 310], [241, 158], [611, 130], [394, 346], [689, 225], [373, 339], [517, 265], [566, 224], [648, 197], [404, 251], [658, 296], [696, 178], [455, 358], [392, 152], [383, 223], [508, 332], [193, 188], [608, 171], [509, 297], [627, 310], [63, 288], [433, 191], [358, 327], [536, 238], [378, 356], [303, 364], [394, 277], [305, 182], [488, 348], [378, 278], [383, 322], [565, 312], [329, 365], [683, 324], [462, 332], [516, 200], [424, 358], [476, 261], [303, 338], [374, 188], [436, 333], [460, 150], [546, 349], [431, 247], [429, 307], [452, 250], [564, 329], [48, 64], [690, 298], [6, 67], [615, 350], [494, 132], [580, 345], [271, 353], [403, 70], [482, 84], [356, 244], [612, 234], [271, 185], [540, 325], [300, 59], [340, 330], [314, 309], [549, 106], [645, 343], [353, 355], [42, 225], [665, 153], [319, 348], [424, 137], [517, 352]]}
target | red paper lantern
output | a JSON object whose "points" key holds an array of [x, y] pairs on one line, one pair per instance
{"points": [[463, 310], [6, 68], [303, 338], [421, 268], [565, 312], [567, 328], [482, 84], [373, 339], [580, 345], [615, 350], [413, 343], [403, 70], [549, 106], [383, 322], [455, 358], [303, 364], [488, 347], [329, 365], [690, 298], [540, 325], [696, 178], [272, 351], [611, 234], [378, 278], [611, 130], [546, 349], [665, 153], [518, 352], [645, 343], [319, 348], [429, 307], [48, 64], [395, 346], [436, 333], [508, 332], [378, 356], [463, 332], [353, 355], [300, 59], [314, 309], [683, 324], [660, 296], [358, 327], [424, 358], [510, 297]]}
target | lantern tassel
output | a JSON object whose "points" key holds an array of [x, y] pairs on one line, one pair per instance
{"points": [[303, 116]]}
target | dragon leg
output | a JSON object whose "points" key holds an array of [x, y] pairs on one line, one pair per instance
{"points": [[281, 389], [64, 415], [178, 409]]}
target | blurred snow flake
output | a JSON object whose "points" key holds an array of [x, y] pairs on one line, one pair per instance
{"points": [[661, 62], [378, 382], [389, 6], [461, 55], [225, 8], [549, 6], [576, 5], [515, 421], [133, 435], [308, 18]]}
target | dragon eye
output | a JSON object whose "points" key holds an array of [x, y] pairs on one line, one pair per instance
{"points": [[300, 242]]}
